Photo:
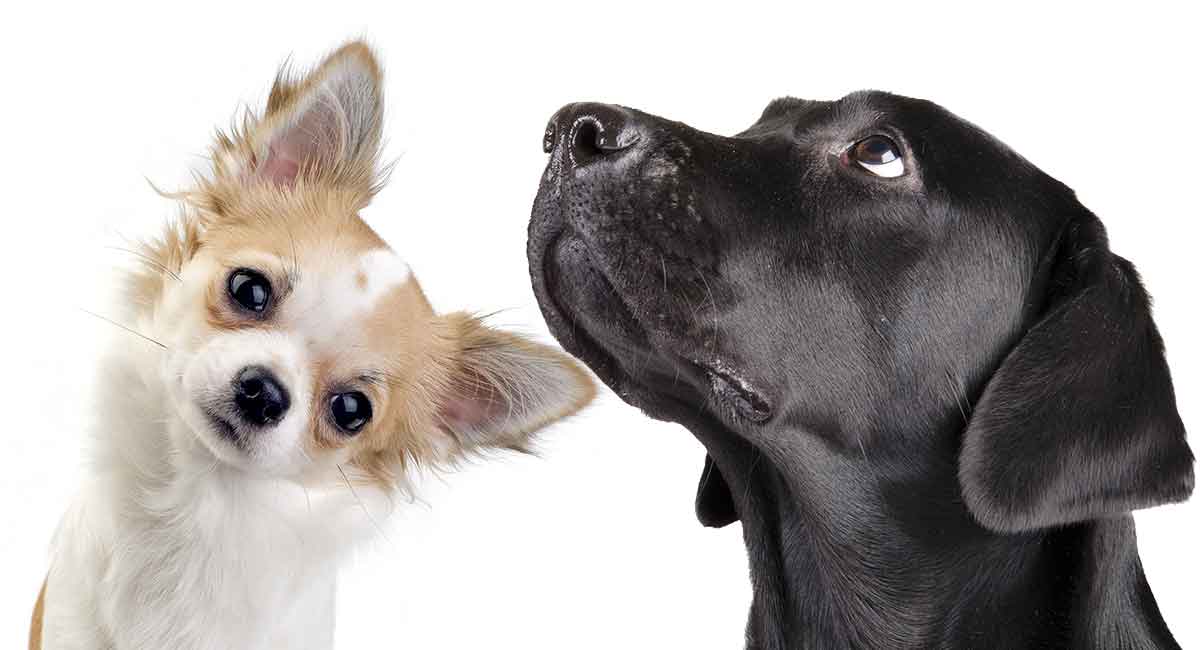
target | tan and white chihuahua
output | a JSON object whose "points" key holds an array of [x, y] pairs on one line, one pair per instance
{"points": [[293, 373]]}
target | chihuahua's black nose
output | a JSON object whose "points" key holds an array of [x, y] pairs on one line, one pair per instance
{"points": [[588, 132], [261, 400]]}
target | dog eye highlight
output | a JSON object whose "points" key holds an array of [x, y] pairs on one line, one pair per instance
{"points": [[351, 411], [879, 155], [250, 289]]}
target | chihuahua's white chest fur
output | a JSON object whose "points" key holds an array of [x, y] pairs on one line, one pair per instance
{"points": [[178, 551]]}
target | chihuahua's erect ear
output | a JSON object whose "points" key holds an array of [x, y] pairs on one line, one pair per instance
{"points": [[1079, 422], [322, 125], [500, 387]]}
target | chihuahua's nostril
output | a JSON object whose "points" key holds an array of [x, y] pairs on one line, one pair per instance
{"points": [[252, 387], [260, 398]]}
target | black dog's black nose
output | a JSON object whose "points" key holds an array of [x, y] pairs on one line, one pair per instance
{"points": [[587, 132], [261, 400]]}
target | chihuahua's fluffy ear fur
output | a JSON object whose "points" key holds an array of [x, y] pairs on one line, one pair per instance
{"points": [[502, 387], [322, 127], [481, 389]]}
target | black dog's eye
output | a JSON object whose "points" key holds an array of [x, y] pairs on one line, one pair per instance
{"points": [[351, 411], [250, 289], [879, 155]]}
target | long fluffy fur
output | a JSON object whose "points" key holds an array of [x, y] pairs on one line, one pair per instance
{"points": [[181, 539]]}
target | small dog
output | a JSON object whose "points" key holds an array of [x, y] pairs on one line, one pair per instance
{"points": [[293, 373]]}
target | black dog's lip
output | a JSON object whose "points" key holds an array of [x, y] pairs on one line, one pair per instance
{"points": [[729, 385], [726, 383], [580, 338]]}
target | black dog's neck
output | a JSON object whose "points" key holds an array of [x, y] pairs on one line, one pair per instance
{"points": [[892, 559]]}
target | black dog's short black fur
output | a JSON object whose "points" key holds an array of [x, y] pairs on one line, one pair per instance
{"points": [[931, 399]]}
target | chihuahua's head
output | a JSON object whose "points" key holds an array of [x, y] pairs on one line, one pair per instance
{"points": [[297, 342]]}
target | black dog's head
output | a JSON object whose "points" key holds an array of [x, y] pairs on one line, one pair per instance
{"points": [[866, 280]]}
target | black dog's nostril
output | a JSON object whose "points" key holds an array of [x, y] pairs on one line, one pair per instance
{"points": [[261, 400], [585, 141], [593, 138], [587, 132]]}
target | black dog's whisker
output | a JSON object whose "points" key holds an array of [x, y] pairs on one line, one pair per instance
{"points": [[127, 329], [712, 300]]}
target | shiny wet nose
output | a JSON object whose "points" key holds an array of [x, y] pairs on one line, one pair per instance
{"points": [[260, 398], [585, 133]]}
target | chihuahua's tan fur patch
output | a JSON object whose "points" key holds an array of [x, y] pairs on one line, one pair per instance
{"points": [[35, 628]]}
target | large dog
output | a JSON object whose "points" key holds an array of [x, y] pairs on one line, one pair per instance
{"points": [[927, 388]]}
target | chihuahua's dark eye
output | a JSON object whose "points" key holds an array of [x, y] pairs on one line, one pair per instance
{"points": [[351, 411], [250, 289], [879, 155]]}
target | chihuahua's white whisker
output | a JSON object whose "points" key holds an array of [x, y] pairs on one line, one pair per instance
{"points": [[127, 329], [362, 505], [148, 260]]}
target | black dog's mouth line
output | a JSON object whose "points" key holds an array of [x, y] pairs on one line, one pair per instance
{"points": [[732, 389], [725, 383], [580, 336]]}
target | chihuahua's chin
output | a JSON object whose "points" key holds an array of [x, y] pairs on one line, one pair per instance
{"points": [[221, 441], [224, 428], [235, 446]]}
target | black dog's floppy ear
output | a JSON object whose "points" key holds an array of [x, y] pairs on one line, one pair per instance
{"points": [[714, 503], [1079, 422]]}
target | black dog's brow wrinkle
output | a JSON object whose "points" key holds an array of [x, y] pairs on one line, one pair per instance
{"points": [[782, 104]]}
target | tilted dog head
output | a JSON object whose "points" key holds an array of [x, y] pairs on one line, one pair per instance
{"points": [[870, 278], [297, 341]]}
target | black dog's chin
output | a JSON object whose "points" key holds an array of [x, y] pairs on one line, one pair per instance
{"points": [[584, 296], [591, 321]]}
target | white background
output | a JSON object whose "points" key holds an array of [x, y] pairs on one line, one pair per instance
{"points": [[594, 545]]}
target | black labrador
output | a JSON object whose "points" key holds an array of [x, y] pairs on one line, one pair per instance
{"points": [[927, 388]]}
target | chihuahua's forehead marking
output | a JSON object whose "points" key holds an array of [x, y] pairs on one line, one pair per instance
{"points": [[379, 271], [331, 304]]}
